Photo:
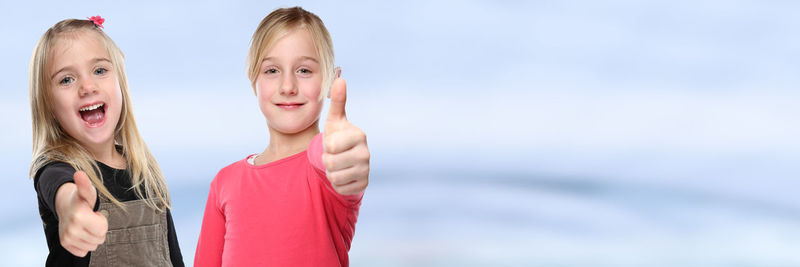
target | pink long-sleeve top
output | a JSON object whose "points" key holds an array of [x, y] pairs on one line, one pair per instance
{"points": [[283, 213]]}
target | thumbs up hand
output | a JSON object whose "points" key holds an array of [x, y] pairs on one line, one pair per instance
{"points": [[80, 229], [345, 154]]}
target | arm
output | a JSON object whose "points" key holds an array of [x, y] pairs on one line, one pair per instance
{"points": [[175, 255], [212, 234]]}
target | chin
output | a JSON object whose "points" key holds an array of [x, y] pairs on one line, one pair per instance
{"points": [[98, 138], [291, 128]]}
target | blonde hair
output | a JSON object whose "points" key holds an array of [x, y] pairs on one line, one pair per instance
{"points": [[51, 143], [281, 22]]}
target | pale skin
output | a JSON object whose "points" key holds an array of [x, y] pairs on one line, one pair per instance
{"points": [[82, 75], [288, 89]]}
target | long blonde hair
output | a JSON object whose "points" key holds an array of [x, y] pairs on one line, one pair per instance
{"points": [[51, 143], [279, 23]]}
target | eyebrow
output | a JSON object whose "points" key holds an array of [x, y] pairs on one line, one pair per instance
{"points": [[303, 58], [95, 60]]}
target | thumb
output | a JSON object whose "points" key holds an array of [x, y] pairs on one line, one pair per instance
{"points": [[338, 98], [85, 189]]}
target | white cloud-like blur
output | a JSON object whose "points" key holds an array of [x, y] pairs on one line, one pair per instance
{"points": [[610, 88], [691, 94]]}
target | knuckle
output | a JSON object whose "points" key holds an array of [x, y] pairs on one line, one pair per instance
{"points": [[365, 155], [69, 233], [330, 143], [340, 179], [340, 191], [328, 161], [334, 178], [362, 135]]}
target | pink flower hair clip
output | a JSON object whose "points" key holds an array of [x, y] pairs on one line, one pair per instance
{"points": [[98, 21]]}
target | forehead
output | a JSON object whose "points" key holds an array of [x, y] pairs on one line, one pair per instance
{"points": [[292, 44], [75, 47]]}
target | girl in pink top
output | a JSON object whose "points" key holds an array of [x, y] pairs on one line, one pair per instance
{"points": [[296, 203]]}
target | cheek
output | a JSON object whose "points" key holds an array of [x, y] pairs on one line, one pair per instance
{"points": [[264, 90], [311, 90], [317, 109], [115, 99], [62, 107]]}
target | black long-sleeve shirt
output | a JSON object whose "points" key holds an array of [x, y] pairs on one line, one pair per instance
{"points": [[118, 182]]}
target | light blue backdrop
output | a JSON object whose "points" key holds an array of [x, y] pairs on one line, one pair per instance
{"points": [[503, 133]]}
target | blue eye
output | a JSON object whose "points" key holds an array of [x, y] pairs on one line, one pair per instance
{"points": [[100, 71], [66, 80]]}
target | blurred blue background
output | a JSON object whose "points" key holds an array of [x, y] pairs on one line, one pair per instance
{"points": [[503, 133]]}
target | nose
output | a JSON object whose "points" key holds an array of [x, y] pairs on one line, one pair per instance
{"points": [[289, 85], [87, 87]]}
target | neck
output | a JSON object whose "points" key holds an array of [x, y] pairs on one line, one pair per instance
{"points": [[107, 154], [282, 145]]}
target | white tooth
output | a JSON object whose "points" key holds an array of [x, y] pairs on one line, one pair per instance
{"points": [[92, 107]]}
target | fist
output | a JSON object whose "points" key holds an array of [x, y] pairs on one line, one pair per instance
{"points": [[80, 229], [345, 154]]}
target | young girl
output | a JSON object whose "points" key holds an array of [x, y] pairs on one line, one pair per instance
{"points": [[284, 207], [89, 156]]}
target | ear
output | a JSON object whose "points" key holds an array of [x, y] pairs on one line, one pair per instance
{"points": [[329, 91], [338, 71]]}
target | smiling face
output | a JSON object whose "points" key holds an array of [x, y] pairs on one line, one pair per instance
{"points": [[86, 95], [289, 83]]}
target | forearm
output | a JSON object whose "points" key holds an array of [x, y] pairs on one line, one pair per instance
{"points": [[211, 241]]}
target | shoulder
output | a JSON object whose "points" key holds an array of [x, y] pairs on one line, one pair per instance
{"points": [[54, 169], [233, 170], [53, 175]]}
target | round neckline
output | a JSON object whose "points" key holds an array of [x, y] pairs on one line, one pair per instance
{"points": [[269, 164], [107, 166]]}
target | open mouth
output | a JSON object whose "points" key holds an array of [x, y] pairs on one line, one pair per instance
{"points": [[93, 114]]}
